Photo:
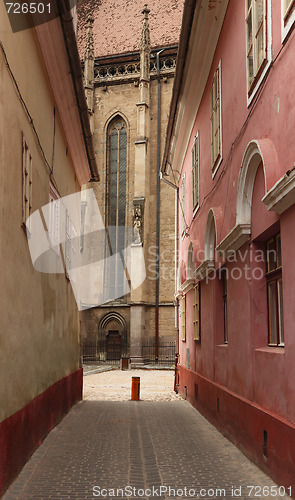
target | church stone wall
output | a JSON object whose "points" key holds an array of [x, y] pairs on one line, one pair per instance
{"points": [[109, 101]]}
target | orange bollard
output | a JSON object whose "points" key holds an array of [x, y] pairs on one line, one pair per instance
{"points": [[135, 390]]}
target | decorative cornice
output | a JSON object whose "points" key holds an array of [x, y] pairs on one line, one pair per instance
{"points": [[282, 195], [141, 141], [204, 269], [239, 235], [188, 285], [138, 104], [126, 71]]}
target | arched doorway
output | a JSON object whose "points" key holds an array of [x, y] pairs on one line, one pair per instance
{"points": [[112, 336]]}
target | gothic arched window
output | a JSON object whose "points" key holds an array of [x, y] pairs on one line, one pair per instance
{"points": [[116, 206], [117, 169]]}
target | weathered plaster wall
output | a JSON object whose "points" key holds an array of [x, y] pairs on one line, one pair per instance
{"points": [[253, 378], [39, 333]]}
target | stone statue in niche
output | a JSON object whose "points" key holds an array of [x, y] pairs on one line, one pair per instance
{"points": [[137, 225]]}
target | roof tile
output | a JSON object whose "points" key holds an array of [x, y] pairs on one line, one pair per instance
{"points": [[118, 23]]}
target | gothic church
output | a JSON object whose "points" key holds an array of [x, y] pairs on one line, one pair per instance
{"points": [[129, 55]]}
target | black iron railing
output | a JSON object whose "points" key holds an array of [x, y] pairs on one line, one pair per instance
{"points": [[110, 351], [166, 352]]}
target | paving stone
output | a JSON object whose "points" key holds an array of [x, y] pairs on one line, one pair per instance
{"points": [[146, 445]]}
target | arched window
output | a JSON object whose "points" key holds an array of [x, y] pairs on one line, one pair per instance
{"points": [[190, 261], [115, 278], [117, 172], [210, 237]]}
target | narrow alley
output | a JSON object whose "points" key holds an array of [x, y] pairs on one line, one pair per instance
{"points": [[147, 217], [109, 446]]}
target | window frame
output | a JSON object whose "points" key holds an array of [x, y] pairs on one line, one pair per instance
{"points": [[183, 315], [196, 172], [224, 282], [114, 278], [215, 108], [197, 312], [274, 277], [262, 69], [182, 204], [110, 129], [287, 18]]}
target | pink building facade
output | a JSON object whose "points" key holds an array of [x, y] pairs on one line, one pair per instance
{"points": [[230, 152]]}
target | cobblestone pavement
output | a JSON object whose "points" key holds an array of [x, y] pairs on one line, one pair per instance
{"points": [[141, 448]]}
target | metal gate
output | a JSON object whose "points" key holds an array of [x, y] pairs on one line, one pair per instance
{"points": [[108, 350]]}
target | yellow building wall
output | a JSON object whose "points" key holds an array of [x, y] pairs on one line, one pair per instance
{"points": [[39, 324]]}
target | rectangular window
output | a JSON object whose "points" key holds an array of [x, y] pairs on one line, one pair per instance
{"points": [[195, 173], [182, 207], [216, 121], [275, 291], [256, 33], [182, 311], [27, 184], [224, 296], [196, 306]]}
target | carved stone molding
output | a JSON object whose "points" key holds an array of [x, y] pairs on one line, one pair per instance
{"points": [[204, 269], [282, 195], [188, 285], [145, 43], [89, 49], [131, 70], [236, 238]]}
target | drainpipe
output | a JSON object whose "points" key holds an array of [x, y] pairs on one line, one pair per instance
{"points": [[176, 268], [176, 302], [158, 210]]}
